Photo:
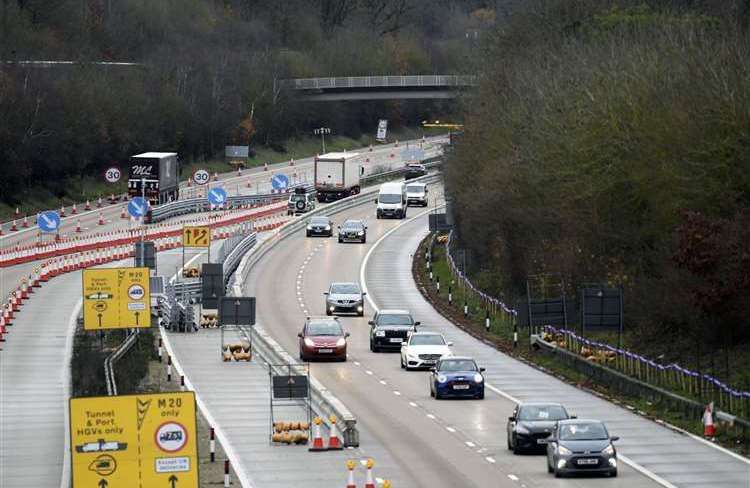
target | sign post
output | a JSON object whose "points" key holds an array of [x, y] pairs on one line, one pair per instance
{"points": [[134, 440], [116, 298], [323, 131]]}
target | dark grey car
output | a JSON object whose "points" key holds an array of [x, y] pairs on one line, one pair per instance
{"points": [[353, 231], [531, 422], [389, 328], [581, 446], [347, 298]]}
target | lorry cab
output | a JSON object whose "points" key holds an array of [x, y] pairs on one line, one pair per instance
{"points": [[391, 201]]}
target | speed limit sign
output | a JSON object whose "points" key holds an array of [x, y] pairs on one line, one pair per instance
{"points": [[201, 177], [112, 175]]}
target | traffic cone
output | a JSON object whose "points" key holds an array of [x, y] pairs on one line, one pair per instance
{"points": [[370, 147], [75, 210], [291, 162], [123, 215], [350, 466], [317, 444], [709, 430], [25, 224], [396, 142], [334, 443], [3, 330], [78, 226], [101, 218], [88, 205], [18, 213], [265, 166], [190, 182], [62, 211], [239, 171], [112, 198], [99, 203], [216, 176], [369, 482], [13, 227]]}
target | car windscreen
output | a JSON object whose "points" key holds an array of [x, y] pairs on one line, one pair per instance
{"points": [[331, 328], [542, 412], [582, 432], [427, 340], [349, 226], [458, 365], [394, 319], [389, 198], [345, 289], [415, 189], [319, 221]]}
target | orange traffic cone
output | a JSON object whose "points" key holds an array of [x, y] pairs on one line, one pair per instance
{"points": [[101, 218], [709, 430], [334, 443], [216, 176], [123, 215], [239, 171], [62, 211], [78, 226], [369, 482], [317, 444], [99, 203], [75, 210], [25, 224], [14, 227], [88, 205], [18, 213], [350, 466], [265, 166], [291, 162]]}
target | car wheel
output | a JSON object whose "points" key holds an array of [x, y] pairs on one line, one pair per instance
{"points": [[558, 473], [510, 446], [613, 473], [328, 312], [341, 240], [403, 366], [364, 240], [373, 347], [516, 449], [480, 396], [308, 234], [550, 469], [377, 216], [438, 396]]}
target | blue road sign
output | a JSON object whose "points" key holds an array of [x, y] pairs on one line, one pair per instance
{"points": [[280, 182], [217, 196], [48, 221], [138, 207]]}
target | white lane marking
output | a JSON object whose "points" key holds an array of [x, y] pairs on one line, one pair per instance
{"points": [[430, 416], [451, 430], [363, 285], [356, 363], [363, 266], [513, 477], [470, 444], [490, 459], [382, 382], [368, 372], [66, 381], [412, 404], [396, 392]]}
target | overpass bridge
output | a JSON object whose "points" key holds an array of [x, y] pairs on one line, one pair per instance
{"points": [[378, 87]]}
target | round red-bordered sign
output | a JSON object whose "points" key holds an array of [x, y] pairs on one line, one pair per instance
{"points": [[171, 436], [113, 174]]}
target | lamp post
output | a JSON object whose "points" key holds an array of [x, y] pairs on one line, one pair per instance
{"points": [[322, 131]]}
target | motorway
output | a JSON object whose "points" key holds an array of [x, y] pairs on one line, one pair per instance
{"points": [[440, 443], [452, 443]]}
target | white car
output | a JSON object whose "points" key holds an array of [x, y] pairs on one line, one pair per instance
{"points": [[423, 349]]}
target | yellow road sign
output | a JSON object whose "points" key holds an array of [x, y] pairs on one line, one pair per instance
{"points": [[134, 441], [196, 236], [116, 298]]}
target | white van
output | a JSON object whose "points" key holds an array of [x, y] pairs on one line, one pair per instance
{"points": [[391, 201]]}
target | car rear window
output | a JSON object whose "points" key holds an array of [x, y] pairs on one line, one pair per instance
{"points": [[582, 432], [427, 340], [542, 412], [331, 328], [395, 319]]}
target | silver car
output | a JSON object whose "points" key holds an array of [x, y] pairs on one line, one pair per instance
{"points": [[345, 298]]}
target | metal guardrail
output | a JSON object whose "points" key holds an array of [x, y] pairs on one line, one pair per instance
{"points": [[424, 81], [109, 361], [233, 259]]}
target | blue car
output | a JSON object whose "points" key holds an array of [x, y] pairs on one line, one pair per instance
{"points": [[455, 376]]}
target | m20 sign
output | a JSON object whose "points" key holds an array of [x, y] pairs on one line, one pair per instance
{"points": [[196, 236]]}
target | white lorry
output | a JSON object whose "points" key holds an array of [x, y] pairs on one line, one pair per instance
{"points": [[337, 175]]}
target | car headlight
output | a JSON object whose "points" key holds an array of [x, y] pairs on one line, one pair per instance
{"points": [[327, 227], [309, 227], [563, 450], [478, 378], [332, 308], [361, 233], [520, 429], [380, 333], [359, 308], [442, 378], [309, 342], [609, 450], [341, 342]]}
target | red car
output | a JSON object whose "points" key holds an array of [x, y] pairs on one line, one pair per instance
{"points": [[322, 338]]}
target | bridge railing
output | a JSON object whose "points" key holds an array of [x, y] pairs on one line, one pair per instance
{"points": [[378, 82]]}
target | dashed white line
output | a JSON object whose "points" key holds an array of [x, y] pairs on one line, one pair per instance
{"points": [[490, 460], [396, 392], [450, 429], [430, 416], [382, 382], [412, 404], [368, 372], [356, 363], [470, 444], [513, 477]]}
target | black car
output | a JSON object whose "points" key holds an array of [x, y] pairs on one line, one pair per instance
{"points": [[353, 231], [414, 170], [319, 226], [581, 446], [389, 328], [531, 422]]}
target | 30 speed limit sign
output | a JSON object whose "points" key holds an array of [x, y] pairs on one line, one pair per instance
{"points": [[112, 175], [201, 177]]}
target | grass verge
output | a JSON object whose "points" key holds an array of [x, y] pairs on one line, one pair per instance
{"points": [[500, 336]]}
